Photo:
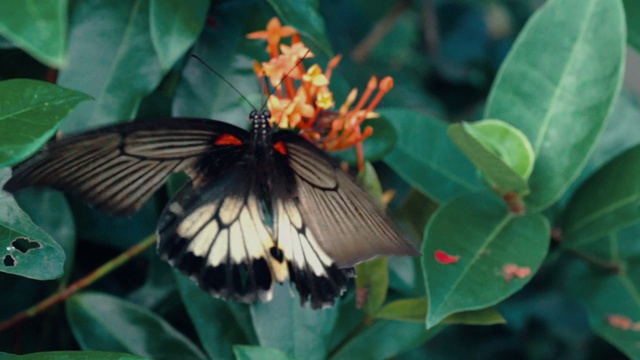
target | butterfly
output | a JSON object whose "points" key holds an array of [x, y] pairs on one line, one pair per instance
{"points": [[261, 206]]}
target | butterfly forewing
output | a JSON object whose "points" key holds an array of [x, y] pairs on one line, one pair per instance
{"points": [[117, 168]]}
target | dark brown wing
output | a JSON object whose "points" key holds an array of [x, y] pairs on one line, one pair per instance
{"points": [[346, 223], [117, 168]]}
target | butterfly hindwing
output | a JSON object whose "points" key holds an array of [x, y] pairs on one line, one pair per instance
{"points": [[117, 168], [347, 224], [217, 235], [314, 274]]}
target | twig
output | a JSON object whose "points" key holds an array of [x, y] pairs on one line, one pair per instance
{"points": [[64, 294], [430, 27], [361, 52], [609, 266], [366, 322]]}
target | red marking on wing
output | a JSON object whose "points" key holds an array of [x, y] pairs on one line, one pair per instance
{"points": [[226, 139], [280, 147]]}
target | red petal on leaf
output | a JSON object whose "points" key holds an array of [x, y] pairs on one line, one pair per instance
{"points": [[620, 322], [444, 258], [509, 271]]}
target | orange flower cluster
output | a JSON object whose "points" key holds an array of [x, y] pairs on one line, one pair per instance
{"points": [[302, 99]]}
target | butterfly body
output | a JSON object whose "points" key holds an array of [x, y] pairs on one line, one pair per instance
{"points": [[261, 207]]}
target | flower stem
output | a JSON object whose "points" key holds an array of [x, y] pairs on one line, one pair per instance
{"points": [[365, 323], [64, 294]]}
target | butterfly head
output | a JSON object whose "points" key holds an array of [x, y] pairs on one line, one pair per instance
{"points": [[260, 123], [260, 116]]}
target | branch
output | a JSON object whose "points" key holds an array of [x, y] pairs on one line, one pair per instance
{"points": [[361, 52], [80, 284], [609, 266]]}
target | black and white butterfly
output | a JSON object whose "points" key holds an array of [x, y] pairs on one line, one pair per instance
{"points": [[261, 206]]}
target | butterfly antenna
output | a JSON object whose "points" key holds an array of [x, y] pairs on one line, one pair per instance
{"points": [[285, 76], [223, 79]]}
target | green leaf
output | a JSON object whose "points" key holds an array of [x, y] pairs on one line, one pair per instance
{"points": [[115, 231], [77, 355], [426, 158], [487, 316], [499, 150], [213, 319], [49, 210], [203, 94], [612, 297], [104, 322], [490, 239], [25, 249], [632, 13], [416, 210], [372, 281], [406, 277], [369, 180], [559, 89], [384, 339], [301, 332], [175, 27], [38, 27], [607, 201], [612, 300], [376, 146], [348, 321], [29, 115], [159, 287], [303, 15], [245, 352], [120, 71], [415, 310], [619, 135]]}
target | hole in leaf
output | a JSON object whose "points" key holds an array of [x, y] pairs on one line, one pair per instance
{"points": [[24, 245], [9, 261]]}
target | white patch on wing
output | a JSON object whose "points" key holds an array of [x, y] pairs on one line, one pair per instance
{"points": [[229, 209], [193, 223], [237, 233], [237, 239], [220, 249], [256, 237], [175, 208], [297, 242], [201, 244], [293, 214]]}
